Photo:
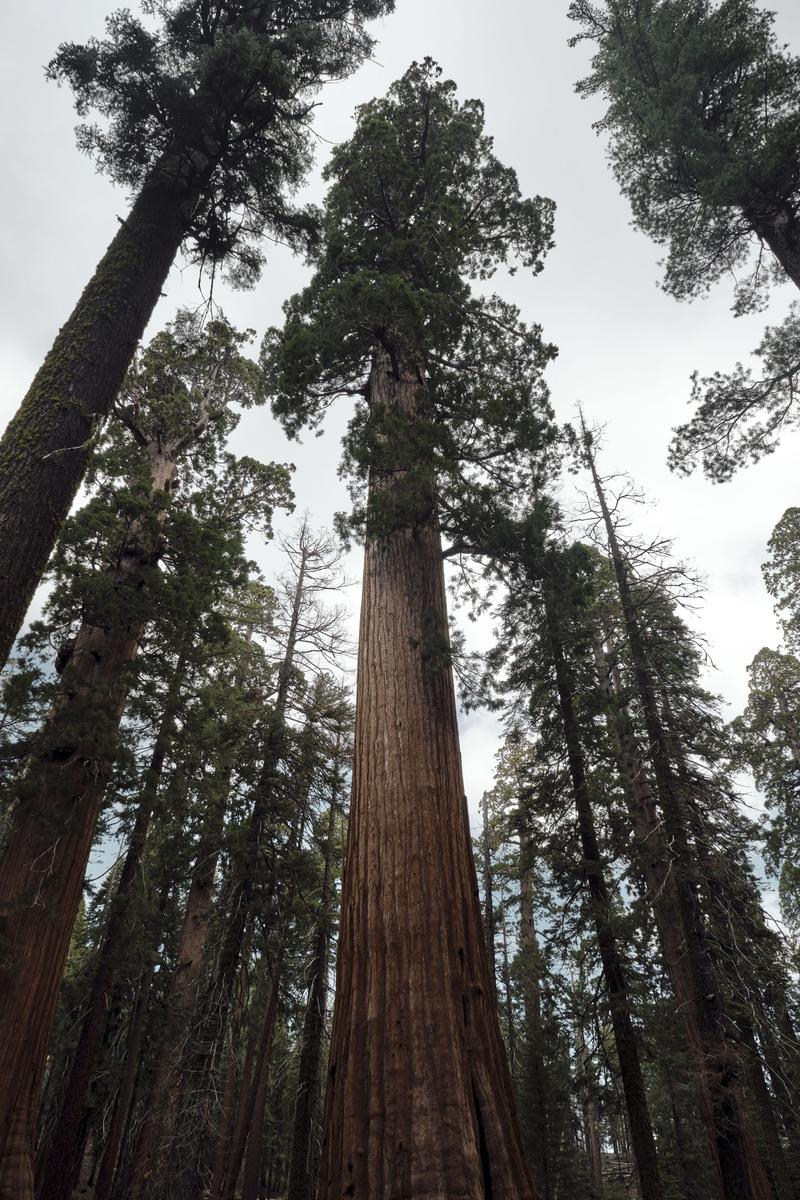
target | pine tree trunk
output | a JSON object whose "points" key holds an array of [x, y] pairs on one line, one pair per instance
{"points": [[124, 1100], [644, 1147], [246, 1093], [419, 1102], [155, 1135], [533, 1083], [44, 861], [251, 1175], [225, 1129], [591, 1134], [511, 1039], [782, 234], [304, 1155], [45, 449], [62, 1166], [488, 899], [214, 1011], [762, 1103], [739, 1170]]}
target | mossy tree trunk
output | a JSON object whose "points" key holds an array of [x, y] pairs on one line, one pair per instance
{"points": [[45, 449]]}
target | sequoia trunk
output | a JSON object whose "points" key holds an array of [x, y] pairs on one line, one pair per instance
{"points": [[419, 1103]]}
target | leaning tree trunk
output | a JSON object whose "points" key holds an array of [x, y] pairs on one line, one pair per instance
{"points": [[419, 1100], [45, 449], [44, 861], [740, 1173], [644, 1146], [65, 1156]]}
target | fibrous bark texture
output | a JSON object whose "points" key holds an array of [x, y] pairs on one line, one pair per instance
{"points": [[419, 1103]]}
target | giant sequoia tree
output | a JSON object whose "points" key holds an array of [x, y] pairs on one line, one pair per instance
{"points": [[205, 116], [419, 1100]]}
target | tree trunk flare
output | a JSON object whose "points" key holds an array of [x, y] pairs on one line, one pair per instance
{"points": [[419, 1102], [44, 861], [45, 449], [739, 1170], [62, 1166], [124, 1100], [304, 1154], [644, 1147]]}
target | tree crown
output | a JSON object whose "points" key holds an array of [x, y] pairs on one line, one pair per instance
{"points": [[222, 91]]}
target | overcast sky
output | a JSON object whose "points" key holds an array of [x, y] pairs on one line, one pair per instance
{"points": [[626, 349]]}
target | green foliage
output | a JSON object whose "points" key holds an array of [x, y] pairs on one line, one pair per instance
{"points": [[782, 574], [704, 120], [739, 418], [418, 207], [219, 94], [767, 740]]}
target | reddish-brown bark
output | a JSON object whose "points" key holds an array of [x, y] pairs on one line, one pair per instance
{"points": [[419, 1102]]}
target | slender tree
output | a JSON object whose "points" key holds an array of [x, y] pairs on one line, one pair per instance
{"points": [[739, 1171]]}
